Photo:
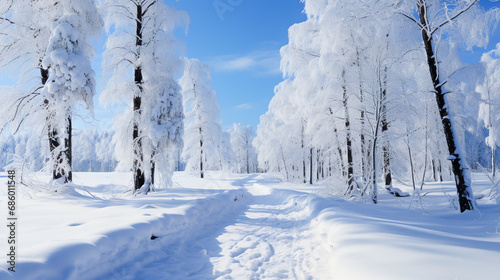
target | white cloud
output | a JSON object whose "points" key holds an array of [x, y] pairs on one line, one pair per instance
{"points": [[263, 61], [240, 63], [244, 106]]}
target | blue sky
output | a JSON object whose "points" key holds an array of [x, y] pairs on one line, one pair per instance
{"points": [[241, 43]]}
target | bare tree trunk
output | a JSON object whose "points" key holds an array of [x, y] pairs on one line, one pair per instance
{"points": [[151, 179], [53, 137], [248, 156], [317, 165], [341, 156], [303, 155], [385, 128], [362, 115], [387, 167], [374, 167], [63, 155], [460, 171], [202, 175], [304, 170], [310, 166], [378, 120], [53, 145], [440, 169], [139, 178], [51, 131], [434, 172], [369, 144], [330, 165], [350, 165], [153, 166], [322, 165], [68, 147]]}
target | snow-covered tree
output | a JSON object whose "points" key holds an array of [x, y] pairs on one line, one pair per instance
{"points": [[70, 80], [203, 132], [105, 151], [357, 85], [141, 60], [489, 112], [462, 20], [85, 157], [53, 38], [7, 149], [226, 154], [24, 149], [286, 135], [95, 152], [332, 74], [241, 143]]}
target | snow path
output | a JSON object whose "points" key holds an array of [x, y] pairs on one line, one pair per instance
{"points": [[270, 239]]}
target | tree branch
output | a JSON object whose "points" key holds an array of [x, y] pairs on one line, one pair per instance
{"points": [[455, 16], [7, 20], [412, 19], [147, 8]]}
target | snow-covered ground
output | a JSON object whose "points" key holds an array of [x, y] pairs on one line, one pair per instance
{"points": [[248, 227]]}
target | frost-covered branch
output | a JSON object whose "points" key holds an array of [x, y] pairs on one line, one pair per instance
{"points": [[450, 19]]}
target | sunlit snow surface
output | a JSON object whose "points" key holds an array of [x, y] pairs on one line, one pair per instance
{"points": [[248, 227]]}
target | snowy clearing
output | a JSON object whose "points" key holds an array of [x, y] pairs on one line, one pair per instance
{"points": [[249, 227]]}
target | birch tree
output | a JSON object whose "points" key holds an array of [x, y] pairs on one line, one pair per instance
{"points": [[467, 21]]}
